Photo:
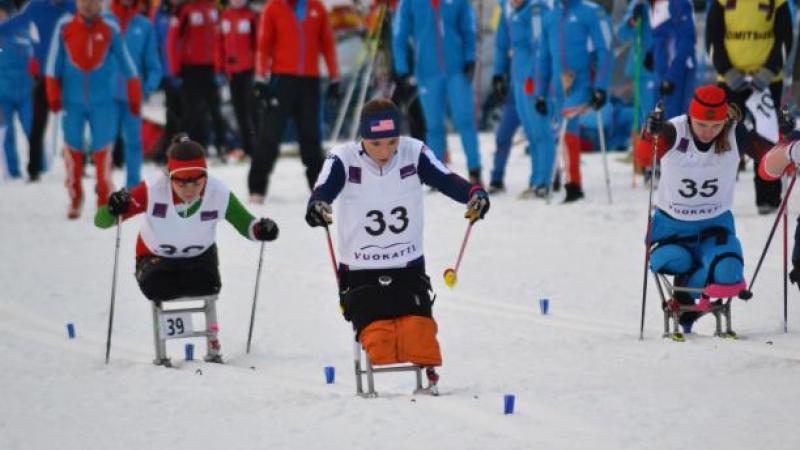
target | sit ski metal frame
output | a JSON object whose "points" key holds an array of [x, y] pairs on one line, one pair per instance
{"points": [[672, 309], [369, 370], [209, 311]]}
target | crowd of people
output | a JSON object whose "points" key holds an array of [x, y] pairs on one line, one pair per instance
{"points": [[548, 73]]}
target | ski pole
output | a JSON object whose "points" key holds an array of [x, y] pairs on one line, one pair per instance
{"points": [[113, 289], [367, 76], [451, 274], [747, 294], [659, 112], [602, 135], [255, 296], [559, 153], [332, 254], [785, 272]]}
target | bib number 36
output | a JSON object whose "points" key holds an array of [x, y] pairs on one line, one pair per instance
{"points": [[708, 189], [378, 225]]}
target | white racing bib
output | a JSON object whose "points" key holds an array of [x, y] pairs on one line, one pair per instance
{"points": [[167, 234], [696, 185], [379, 212]]}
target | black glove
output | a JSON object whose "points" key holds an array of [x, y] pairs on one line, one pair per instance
{"points": [[266, 92], [332, 93], [794, 276], [655, 122], [648, 61], [478, 205], [499, 87], [405, 88], [469, 70], [541, 105], [119, 202], [786, 121], [598, 98], [666, 88], [265, 230], [318, 214]]}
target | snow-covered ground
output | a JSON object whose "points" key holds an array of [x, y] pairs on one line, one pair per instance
{"points": [[581, 377]]}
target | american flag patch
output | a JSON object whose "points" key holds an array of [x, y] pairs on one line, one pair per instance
{"points": [[354, 174], [407, 171], [208, 215], [683, 145], [377, 126], [160, 210]]}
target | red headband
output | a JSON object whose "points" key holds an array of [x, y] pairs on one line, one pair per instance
{"points": [[176, 165], [709, 103]]}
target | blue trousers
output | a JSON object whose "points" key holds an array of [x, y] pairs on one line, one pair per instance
{"points": [[504, 137], [130, 127], [23, 108], [102, 120], [540, 136], [705, 257], [455, 91]]}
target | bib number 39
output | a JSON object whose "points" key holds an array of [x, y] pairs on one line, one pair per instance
{"points": [[378, 225], [708, 189]]}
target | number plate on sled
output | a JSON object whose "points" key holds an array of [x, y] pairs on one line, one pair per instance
{"points": [[175, 325]]}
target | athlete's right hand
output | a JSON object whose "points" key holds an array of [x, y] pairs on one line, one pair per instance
{"points": [[319, 214], [499, 87], [119, 202], [541, 105]]}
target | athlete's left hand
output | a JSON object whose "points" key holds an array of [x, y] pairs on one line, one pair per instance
{"points": [[478, 206]]}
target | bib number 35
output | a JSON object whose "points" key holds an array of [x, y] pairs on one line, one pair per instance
{"points": [[378, 225], [708, 189]]}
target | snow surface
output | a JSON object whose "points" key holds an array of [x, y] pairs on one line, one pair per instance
{"points": [[581, 377]]}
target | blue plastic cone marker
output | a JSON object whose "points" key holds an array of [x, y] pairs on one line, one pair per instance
{"points": [[544, 305], [508, 404], [71, 330], [189, 350], [330, 374]]}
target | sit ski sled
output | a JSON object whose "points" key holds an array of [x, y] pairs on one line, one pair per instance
{"points": [[368, 370], [176, 323], [681, 309]]}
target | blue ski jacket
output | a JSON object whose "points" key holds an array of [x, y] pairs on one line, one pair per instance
{"points": [[16, 51], [673, 43], [43, 14], [443, 33], [576, 38], [519, 32], [140, 40]]}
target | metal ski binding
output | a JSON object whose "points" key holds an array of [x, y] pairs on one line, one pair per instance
{"points": [[720, 307], [370, 371], [176, 323]]}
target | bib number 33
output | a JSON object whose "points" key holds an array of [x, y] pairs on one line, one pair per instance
{"points": [[708, 189], [377, 224]]}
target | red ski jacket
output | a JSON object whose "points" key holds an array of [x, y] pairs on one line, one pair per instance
{"points": [[291, 36], [192, 36], [236, 40]]}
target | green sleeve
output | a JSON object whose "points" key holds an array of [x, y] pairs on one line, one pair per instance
{"points": [[238, 216], [103, 219]]}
